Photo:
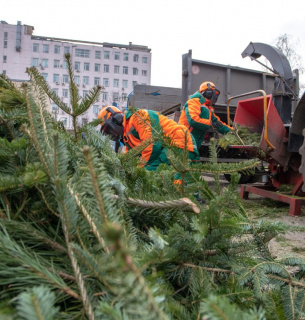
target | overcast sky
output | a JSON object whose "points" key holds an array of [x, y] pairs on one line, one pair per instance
{"points": [[215, 31]]}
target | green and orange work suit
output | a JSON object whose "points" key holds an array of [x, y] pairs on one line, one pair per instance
{"points": [[199, 117], [144, 125]]}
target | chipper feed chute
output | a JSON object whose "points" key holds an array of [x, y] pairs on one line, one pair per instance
{"points": [[282, 164], [250, 113]]}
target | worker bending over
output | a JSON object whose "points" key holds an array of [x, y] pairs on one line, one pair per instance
{"points": [[198, 114], [143, 126]]}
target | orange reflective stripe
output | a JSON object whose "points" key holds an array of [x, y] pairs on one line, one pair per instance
{"points": [[194, 107], [140, 123], [179, 134]]}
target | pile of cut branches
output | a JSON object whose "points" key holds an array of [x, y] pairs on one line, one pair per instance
{"points": [[87, 234], [241, 136]]}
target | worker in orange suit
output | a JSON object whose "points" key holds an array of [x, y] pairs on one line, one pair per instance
{"points": [[144, 125], [198, 114]]}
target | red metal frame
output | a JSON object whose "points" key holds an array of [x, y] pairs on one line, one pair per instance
{"points": [[295, 203]]}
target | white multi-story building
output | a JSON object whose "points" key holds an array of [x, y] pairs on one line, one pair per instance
{"points": [[115, 67]]}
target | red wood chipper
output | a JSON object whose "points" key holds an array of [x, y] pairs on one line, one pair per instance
{"points": [[282, 146]]}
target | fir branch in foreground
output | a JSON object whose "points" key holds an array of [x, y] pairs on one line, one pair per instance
{"points": [[37, 303]]}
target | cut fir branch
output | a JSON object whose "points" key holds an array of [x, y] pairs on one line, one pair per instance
{"points": [[152, 309], [66, 226], [33, 268], [11, 96], [221, 168], [64, 248], [78, 105], [240, 136], [37, 303], [89, 220], [86, 152], [179, 203]]}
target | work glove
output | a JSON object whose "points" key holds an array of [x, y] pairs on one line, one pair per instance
{"points": [[217, 124]]}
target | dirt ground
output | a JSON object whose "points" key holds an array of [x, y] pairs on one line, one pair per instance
{"points": [[291, 244]]}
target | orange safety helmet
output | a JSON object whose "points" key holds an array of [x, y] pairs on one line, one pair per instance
{"points": [[207, 85], [111, 122], [209, 91]]}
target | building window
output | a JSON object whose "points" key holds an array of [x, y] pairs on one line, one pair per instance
{"points": [[66, 49], [135, 58], [84, 121], [106, 54], [77, 66], [115, 96], [4, 72], [116, 83], [144, 59], [97, 81], [116, 56], [135, 71], [134, 83], [105, 82], [105, 96], [124, 96], [65, 93], [125, 56], [86, 66], [76, 80], [56, 78], [97, 67], [45, 48], [5, 35], [96, 110], [45, 76], [65, 64], [45, 63], [56, 64], [35, 47], [57, 49], [63, 120], [35, 62], [125, 70], [86, 80], [85, 92], [97, 54], [55, 91], [116, 69], [144, 73], [4, 59], [83, 53], [54, 107], [125, 83], [5, 44], [106, 68], [65, 78]]}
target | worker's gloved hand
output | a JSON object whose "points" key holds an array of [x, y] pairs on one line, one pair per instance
{"points": [[217, 124], [200, 200]]}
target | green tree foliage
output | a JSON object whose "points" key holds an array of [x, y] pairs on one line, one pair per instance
{"points": [[87, 234]]}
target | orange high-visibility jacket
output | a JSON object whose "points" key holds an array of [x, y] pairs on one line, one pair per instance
{"points": [[141, 126], [199, 117], [196, 115]]}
